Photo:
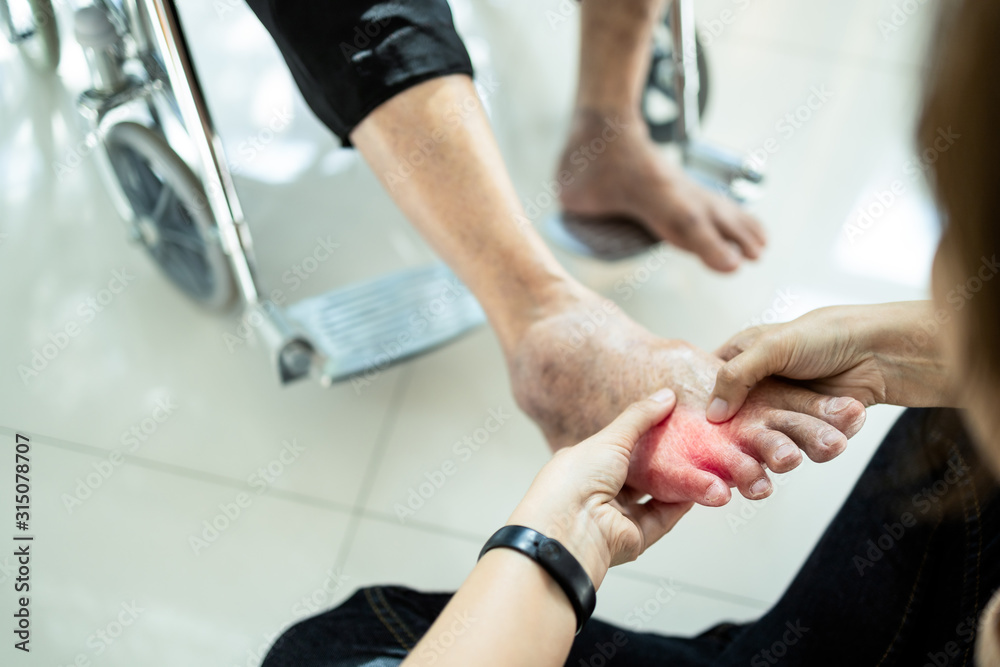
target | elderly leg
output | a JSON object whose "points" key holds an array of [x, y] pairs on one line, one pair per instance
{"points": [[622, 172]]}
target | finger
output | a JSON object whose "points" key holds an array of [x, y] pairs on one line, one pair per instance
{"points": [[738, 376], [637, 419], [656, 519], [741, 341], [776, 450]]}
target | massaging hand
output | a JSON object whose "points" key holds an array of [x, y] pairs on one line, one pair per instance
{"points": [[577, 498], [877, 354], [575, 370]]}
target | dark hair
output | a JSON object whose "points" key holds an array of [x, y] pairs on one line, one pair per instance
{"points": [[962, 98]]}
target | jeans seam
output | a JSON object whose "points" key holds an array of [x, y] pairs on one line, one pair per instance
{"points": [[979, 547], [388, 626], [397, 617], [913, 593]]}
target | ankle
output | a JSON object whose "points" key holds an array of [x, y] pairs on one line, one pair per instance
{"points": [[591, 121]]}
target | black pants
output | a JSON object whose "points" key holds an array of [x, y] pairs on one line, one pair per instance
{"points": [[350, 56], [898, 579]]}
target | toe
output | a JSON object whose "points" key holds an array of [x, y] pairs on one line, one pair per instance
{"points": [[692, 230], [750, 478], [775, 449], [847, 415], [816, 438], [737, 226], [700, 486]]}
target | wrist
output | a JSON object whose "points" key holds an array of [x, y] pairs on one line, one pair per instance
{"points": [[574, 529], [905, 340]]}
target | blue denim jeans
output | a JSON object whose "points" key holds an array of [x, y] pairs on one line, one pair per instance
{"points": [[898, 578]]}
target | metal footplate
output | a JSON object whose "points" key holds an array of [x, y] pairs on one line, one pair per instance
{"points": [[364, 328]]}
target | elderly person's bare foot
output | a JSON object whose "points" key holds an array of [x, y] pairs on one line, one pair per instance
{"points": [[610, 167], [575, 370]]}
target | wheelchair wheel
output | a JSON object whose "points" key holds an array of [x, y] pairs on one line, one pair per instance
{"points": [[172, 216], [32, 27], [659, 100]]}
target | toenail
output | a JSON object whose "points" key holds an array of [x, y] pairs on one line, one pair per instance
{"points": [[715, 493], [831, 438], [838, 405], [784, 452], [759, 487]]}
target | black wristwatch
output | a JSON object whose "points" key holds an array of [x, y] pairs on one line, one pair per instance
{"points": [[556, 560]]}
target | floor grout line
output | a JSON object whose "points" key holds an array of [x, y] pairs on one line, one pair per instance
{"points": [[703, 591], [374, 464], [180, 471]]}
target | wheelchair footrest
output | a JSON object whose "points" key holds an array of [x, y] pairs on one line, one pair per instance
{"points": [[366, 327]]}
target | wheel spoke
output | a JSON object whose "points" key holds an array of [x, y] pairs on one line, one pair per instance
{"points": [[187, 278], [188, 241], [162, 201]]}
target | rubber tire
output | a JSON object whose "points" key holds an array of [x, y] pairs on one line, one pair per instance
{"points": [[664, 132], [216, 292]]}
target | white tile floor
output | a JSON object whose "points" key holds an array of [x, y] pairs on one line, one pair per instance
{"points": [[327, 523]]}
